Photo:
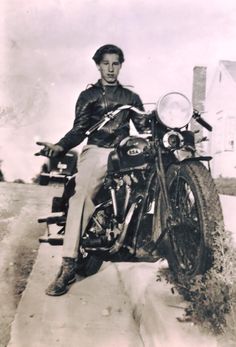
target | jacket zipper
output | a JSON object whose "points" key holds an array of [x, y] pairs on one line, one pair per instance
{"points": [[105, 99]]}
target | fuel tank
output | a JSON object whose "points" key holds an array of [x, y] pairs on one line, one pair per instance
{"points": [[129, 155]]}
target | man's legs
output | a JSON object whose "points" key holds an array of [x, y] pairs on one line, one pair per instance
{"points": [[91, 171]]}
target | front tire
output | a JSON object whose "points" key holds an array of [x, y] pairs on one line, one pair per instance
{"points": [[196, 235]]}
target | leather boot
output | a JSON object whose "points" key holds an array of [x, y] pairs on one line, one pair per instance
{"points": [[65, 276]]}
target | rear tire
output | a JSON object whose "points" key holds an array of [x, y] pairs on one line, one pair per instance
{"points": [[57, 204], [196, 239], [44, 180]]}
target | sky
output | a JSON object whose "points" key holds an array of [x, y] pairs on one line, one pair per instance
{"points": [[46, 49]]}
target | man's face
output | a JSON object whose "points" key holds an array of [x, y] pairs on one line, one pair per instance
{"points": [[109, 68]]}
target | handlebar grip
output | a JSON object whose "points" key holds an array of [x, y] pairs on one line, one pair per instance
{"points": [[206, 125], [94, 127], [200, 120]]}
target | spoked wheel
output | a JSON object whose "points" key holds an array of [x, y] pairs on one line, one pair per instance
{"points": [[196, 221], [187, 236]]}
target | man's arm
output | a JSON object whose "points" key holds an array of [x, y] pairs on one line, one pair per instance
{"points": [[81, 123], [139, 120]]}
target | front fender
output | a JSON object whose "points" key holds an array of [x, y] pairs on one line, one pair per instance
{"points": [[184, 154], [200, 158]]}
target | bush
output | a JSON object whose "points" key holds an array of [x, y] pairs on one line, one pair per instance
{"points": [[212, 297], [19, 180], [226, 185]]}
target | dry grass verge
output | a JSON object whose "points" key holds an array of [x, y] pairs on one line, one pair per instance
{"points": [[226, 185], [212, 297]]}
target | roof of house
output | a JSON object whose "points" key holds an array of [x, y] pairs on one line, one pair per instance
{"points": [[230, 66]]}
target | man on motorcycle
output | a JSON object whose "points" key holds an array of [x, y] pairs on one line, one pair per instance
{"points": [[98, 99]]}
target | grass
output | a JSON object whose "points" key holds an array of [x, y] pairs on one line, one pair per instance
{"points": [[211, 297]]}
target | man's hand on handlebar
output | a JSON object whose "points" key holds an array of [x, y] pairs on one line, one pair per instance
{"points": [[50, 150]]}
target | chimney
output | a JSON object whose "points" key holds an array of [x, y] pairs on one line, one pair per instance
{"points": [[199, 87], [198, 98]]}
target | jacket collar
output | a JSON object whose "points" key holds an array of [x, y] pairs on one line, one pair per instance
{"points": [[100, 85]]}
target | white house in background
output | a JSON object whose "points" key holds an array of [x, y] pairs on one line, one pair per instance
{"points": [[220, 106]]}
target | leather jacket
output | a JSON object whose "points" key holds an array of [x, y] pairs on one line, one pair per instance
{"points": [[91, 106]]}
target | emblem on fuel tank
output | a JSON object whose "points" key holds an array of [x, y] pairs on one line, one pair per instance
{"points": [[134, 151]]}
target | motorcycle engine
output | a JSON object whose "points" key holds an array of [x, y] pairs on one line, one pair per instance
{"points": [[100, 232], [126, 166]]}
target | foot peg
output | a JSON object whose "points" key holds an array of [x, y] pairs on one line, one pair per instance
{"points": [[54, 235], [54, 241], [55, 218]]}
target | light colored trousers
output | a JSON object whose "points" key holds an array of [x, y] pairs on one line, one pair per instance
{"points": [[89, 179]]}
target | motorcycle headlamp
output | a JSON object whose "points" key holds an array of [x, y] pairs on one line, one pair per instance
{"points": [[174, 110]]}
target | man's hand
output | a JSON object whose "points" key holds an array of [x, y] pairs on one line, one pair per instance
{"points": [[50, 150]]}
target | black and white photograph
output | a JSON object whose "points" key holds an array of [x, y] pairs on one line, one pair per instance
{"points": [[117, 173]]}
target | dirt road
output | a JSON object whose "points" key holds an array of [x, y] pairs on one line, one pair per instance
{"points": [[20, 206]]}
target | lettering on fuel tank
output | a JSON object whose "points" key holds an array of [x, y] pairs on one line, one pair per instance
{"points": [[134, 151]]}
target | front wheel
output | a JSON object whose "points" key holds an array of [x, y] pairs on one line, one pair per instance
{"points": [[196, 230]]}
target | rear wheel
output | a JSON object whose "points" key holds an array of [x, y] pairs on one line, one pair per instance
{"points": [[60, 204], [196, 231], [44, 180], [57, 204]]}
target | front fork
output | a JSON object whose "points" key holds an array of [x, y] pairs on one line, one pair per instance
{"points": [[170, 222], [162, 182], [160, 174]]}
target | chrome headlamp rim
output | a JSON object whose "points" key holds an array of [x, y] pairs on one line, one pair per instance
{"points": [[177, 125], [177, 135]]}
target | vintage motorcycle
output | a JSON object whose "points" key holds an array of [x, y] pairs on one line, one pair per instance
{"points": [[158, 198]]}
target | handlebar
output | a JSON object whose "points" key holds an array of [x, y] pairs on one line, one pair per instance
{"points": [[49, 147], [112, 115], [197, 116]]}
